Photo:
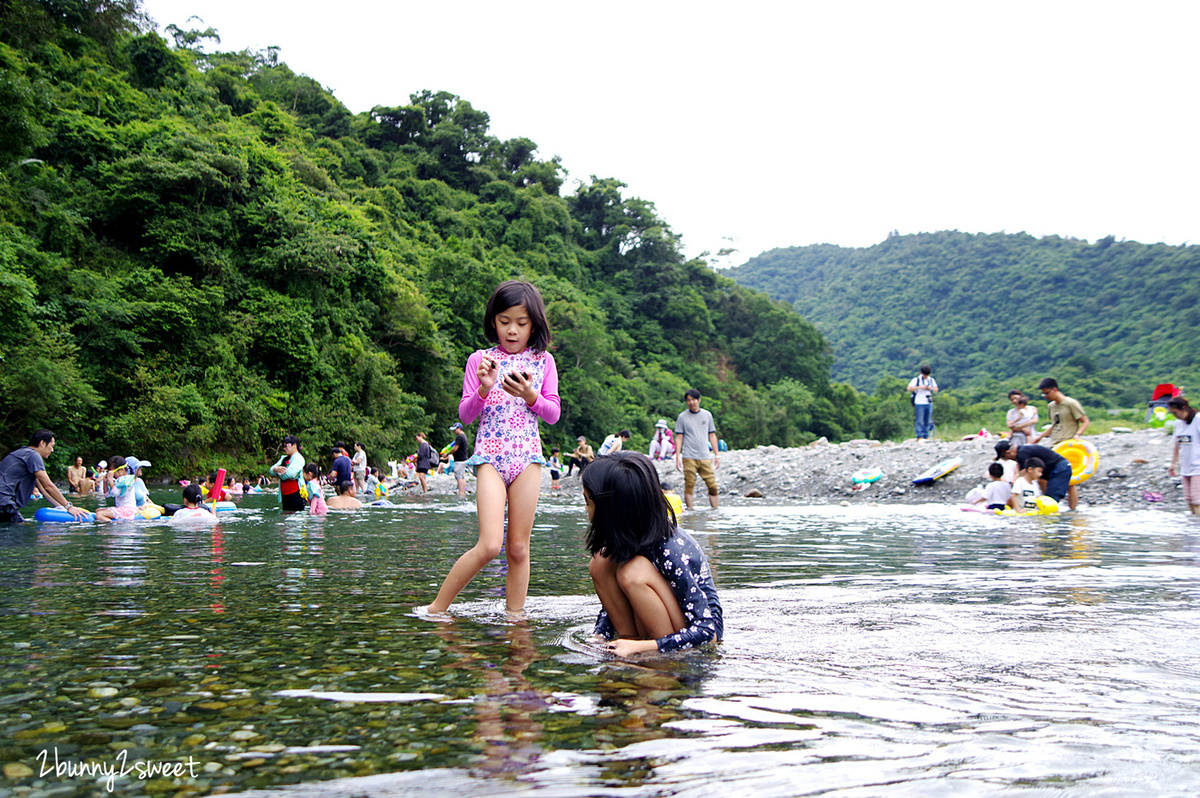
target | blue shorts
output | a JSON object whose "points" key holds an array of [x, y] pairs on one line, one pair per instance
{"points": [[1058, 480]]}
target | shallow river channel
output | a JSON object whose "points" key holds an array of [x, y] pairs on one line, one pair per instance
{"points": [[869, 651]]}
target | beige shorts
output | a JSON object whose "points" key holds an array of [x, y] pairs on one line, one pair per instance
{"points": [[702, 467]]}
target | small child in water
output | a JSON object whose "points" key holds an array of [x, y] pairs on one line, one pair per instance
{"points": [[996, 493], [209, 485], [193, 511], [1025, 489], [652, 578], [312, 486], [555, 466]]}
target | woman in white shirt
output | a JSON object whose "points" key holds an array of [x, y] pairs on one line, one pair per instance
{"points": [[1022, 419]]}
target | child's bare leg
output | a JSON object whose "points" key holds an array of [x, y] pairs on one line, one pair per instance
{"points": [[490, 497], [522, 507], [655, 608], [612, 598]]}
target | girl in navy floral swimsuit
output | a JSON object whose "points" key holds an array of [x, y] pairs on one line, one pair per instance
{"points": [[652, 578]]}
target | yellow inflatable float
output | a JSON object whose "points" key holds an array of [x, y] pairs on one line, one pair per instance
{"points": [[1082, 456], [150, 511], [674, 502], [1045, 506]]}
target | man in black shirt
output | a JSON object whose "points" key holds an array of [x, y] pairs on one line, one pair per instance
{"points": [[1056, 478], [458, 450]]}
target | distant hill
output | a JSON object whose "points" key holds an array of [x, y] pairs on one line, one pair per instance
{"points": [[202, 252], [986, 307]]}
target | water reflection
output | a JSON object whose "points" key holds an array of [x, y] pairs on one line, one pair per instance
{"points": [[507, 734], [880, 651]]}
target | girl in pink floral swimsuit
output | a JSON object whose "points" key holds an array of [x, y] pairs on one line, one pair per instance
{"points": [[508, 387]]}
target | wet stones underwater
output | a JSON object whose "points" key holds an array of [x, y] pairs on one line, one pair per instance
{"points": [[919, 644]]}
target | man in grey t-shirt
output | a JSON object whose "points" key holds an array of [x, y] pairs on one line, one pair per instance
{"points": [[23, 469], [695, 431]]}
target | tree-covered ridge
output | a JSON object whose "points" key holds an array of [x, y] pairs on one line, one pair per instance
{"points": [[200, 253], [989, 308]]}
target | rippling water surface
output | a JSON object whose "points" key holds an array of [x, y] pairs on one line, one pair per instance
{"points": [[868, 651]]}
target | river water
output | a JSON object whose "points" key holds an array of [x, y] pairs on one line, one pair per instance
{"points": [[869, 651]]}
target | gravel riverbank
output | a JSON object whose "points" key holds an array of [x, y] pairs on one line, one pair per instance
{"points": [[1133, 467], [1132, 473]]}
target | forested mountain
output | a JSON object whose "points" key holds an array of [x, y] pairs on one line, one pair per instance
{"points": [[986, 309], [202, 252]]}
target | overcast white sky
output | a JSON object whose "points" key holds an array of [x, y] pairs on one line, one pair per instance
{"points": [[766, 124]]}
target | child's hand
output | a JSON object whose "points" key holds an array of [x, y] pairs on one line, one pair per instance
{"points": [[627, 648], [486, 373], [517, 383]]}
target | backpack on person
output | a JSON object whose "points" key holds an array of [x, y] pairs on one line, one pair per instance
{"points": [[912, 395]]}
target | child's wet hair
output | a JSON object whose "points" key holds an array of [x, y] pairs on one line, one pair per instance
{"points": [[192, 493], [512, 293], [630, 512]]}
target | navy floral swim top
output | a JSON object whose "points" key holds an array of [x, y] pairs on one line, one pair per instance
{"points": [[680, 559]]}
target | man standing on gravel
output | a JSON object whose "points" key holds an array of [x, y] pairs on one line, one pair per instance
{"points": [[695, 431], [1067, 418], [923, 387]]}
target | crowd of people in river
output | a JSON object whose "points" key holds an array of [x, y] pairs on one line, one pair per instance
{"points": [[652, 579]]}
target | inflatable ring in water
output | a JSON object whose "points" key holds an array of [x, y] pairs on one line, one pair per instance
{"points": [[1045, 506], [197, 516], [149, 511], [59, 515], [1082, 456]]}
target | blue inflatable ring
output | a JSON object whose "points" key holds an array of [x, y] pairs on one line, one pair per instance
{"points": [[60, 515]]}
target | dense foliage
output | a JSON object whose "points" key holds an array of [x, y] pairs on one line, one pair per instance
{"points": [[1109, 320], [202, 252]]}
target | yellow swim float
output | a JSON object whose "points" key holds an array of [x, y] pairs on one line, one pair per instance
{"points": [[1082, 456], [1045, 506], [150, 511], [674, 502]]}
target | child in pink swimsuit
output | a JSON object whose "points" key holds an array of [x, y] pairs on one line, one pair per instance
{"points": [[508, 387]]}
